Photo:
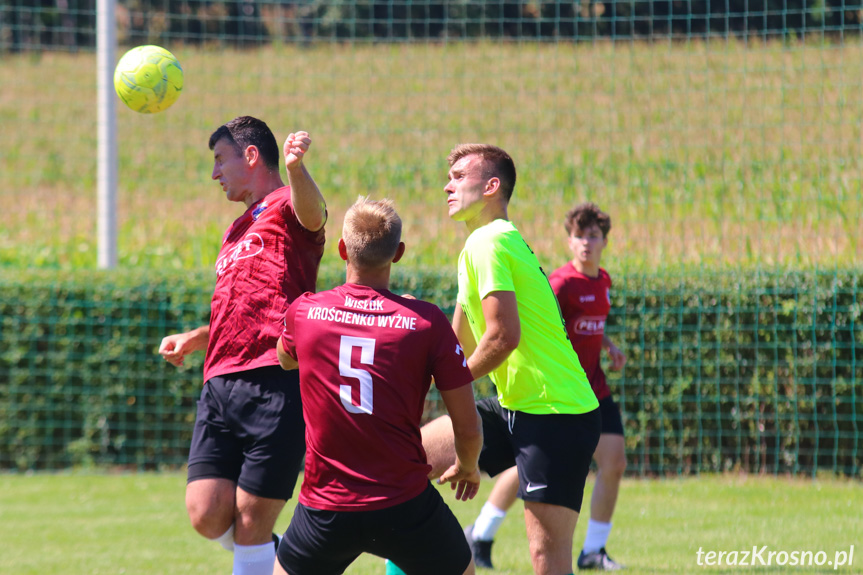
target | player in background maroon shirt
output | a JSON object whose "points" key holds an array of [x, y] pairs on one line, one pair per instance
{"points": [[366, 360], [248, 441], [582, 289]]}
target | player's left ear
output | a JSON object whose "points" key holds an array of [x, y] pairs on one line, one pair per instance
{"points": [[252, 155], [399, 252], [343, 249]]}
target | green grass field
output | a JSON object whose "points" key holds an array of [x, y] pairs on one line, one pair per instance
{"points": [[136, 523], [708, 154]]}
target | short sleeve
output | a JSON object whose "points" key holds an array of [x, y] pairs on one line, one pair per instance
{"points": [[491, 269], [559, 285], [448, 361], [288, 340]]}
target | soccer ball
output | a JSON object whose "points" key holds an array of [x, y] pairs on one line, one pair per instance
{"points": [[148, 79]]}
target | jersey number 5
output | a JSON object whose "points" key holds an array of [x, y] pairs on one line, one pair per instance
{"points": [[367, 357]]}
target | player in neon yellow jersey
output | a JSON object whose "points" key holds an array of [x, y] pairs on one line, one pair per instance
{"points": [[583, 289], [545, 418]]}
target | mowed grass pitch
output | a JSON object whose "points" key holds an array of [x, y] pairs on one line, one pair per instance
{"points": [[136, 523], [708, 154]]}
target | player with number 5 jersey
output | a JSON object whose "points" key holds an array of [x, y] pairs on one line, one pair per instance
{"points": [[366, 358], [371, 357]]}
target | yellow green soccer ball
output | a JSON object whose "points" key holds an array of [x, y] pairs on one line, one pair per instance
{"points": [[148, 79]]}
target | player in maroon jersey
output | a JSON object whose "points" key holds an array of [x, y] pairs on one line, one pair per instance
{"points": [[366, 360], [248, 440], [582, 289]]}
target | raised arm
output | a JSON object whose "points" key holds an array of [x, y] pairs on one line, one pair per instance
{"points": [[309, 204]]}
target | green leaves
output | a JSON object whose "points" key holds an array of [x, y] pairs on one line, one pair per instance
{"points": [[761, 371]]}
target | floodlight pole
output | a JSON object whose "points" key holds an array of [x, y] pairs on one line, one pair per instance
{"points": [[106, 48]]}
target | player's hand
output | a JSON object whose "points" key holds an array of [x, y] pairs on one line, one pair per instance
{"points": [[173, 348], [464, 483], [408, 296], [295, 148], [618, 359]]}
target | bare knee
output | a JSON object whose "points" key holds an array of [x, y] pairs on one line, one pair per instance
{"points": [[255, 518], [550, 558], [612, 467], [505, 489], [210, 504], [610, 456], [549, 532]]}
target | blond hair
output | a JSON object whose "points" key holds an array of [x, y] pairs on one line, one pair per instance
{"points": [[372, 232]]}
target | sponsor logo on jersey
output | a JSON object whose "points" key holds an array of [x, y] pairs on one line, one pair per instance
{"points": [[259, 210], [248, 247], [589, 325], [586, 298]]}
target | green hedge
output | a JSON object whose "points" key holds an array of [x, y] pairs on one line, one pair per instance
{"points": [[733, 371], [759, 372]]}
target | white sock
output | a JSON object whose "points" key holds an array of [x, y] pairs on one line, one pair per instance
{"points": [[254, 559], [226, 540], [597, 536], [486, 525]]}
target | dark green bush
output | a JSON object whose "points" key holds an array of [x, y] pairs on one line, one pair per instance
{"points": [[755, 372], [762, 372]]}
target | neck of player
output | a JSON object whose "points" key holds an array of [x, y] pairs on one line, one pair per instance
{"points": [[377, 278], [589, 269], [491, 211], [266, 183]]}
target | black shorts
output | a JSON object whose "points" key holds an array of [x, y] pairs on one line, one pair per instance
{"points": [[421, 536], [553, 452], [612, 424], [250, 429]]}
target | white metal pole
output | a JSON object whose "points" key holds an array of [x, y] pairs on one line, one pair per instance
{"points": [[106, 48]]}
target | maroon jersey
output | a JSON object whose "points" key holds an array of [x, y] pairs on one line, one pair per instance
{"points": [[366, 361], [584, 304], [267, 260]]}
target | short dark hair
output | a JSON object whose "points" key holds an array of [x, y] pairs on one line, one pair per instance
{"points": [[585, 215], [496, 164], [246, 131]]}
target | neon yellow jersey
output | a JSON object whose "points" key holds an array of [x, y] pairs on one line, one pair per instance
{"points": [[543, 375]]}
